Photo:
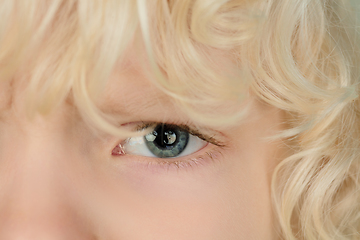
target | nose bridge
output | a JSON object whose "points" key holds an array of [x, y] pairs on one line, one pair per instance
{"points": [[34, 203], [36, 164], [35, 151]]}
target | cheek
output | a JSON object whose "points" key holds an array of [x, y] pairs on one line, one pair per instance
{"points": [[227, 200]]}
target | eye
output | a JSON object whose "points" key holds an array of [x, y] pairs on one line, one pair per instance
{"points": [[165, 141]]}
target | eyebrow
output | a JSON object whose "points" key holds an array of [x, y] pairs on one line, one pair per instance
{"points": [[132, 108], [123, 100]]}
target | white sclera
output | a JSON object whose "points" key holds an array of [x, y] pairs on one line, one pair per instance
{"points": [[137, 146]]}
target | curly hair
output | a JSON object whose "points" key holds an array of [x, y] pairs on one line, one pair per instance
{"points": [[301, 56]]}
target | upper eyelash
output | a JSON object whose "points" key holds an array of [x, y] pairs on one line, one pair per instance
{"points": [[186, 128]]}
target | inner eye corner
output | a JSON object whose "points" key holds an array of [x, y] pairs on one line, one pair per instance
{"points": [[118, 149]]}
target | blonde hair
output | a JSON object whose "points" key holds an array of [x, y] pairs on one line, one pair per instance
{"points": [[301, 56]]}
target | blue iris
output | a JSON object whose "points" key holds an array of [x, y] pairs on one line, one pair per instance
{"points": [[167, 141]]}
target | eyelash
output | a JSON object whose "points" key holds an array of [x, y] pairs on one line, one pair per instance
{"points": [[184, 127], [187, 163], [184, 162]]}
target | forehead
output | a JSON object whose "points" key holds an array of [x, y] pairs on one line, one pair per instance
{"points": [[134, 91], [130, 92]]}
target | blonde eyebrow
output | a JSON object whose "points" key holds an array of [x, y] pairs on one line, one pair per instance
{"points": [[128, 109], [152, 108]]}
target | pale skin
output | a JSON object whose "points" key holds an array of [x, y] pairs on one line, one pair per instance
{"points": [[59, 180]]}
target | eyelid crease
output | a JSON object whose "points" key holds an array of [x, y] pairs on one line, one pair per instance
{"points": [[184, 127]]}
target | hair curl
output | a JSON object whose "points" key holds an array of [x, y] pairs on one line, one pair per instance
{"points": [[301, 56]]}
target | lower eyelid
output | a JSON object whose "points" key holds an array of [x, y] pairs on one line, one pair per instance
{"points": [[200, 159]]}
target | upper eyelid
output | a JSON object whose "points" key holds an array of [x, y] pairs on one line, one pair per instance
{"points": [[187, 128], [200, 135]]}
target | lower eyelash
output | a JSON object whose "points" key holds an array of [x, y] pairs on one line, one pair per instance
{"points": [[167, 165], [189, 163]]}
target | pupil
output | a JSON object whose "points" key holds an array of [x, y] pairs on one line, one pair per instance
{"points": [[165, 137]]}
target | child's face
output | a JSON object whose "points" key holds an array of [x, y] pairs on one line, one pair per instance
{"points": [[58, 180]]}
